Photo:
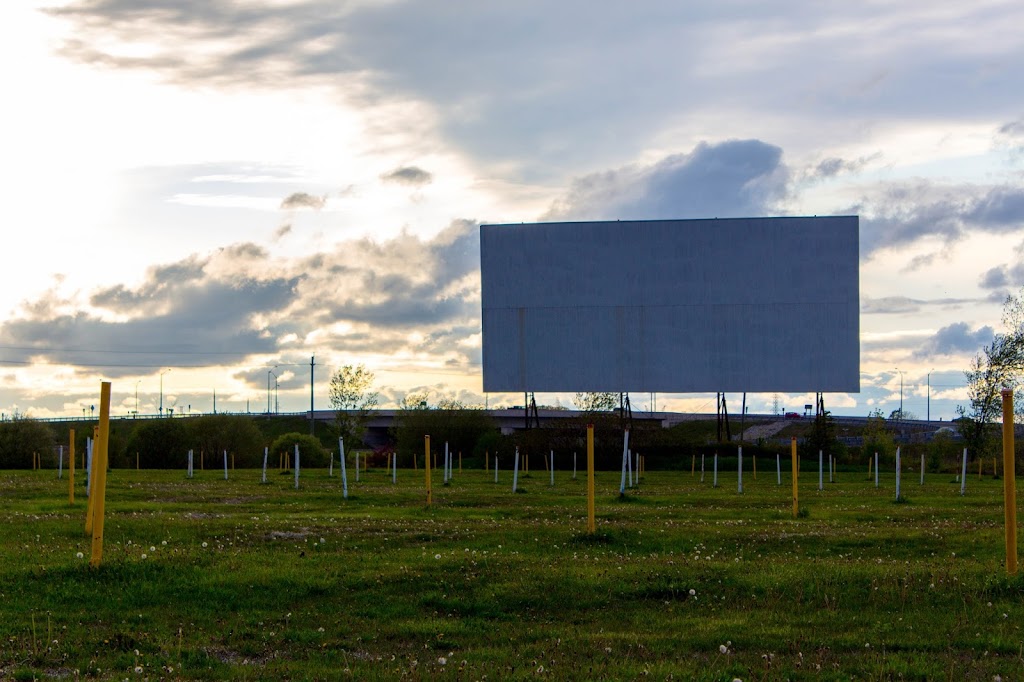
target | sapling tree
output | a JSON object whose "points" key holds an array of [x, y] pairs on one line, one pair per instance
{"points": [[352, 398]]}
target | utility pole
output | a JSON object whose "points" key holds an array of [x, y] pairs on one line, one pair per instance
{"points": [[312, 364]]}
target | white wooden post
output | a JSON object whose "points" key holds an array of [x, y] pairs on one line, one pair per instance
{"points": [[357, 466], [266, 451], [739, 470], [297, 466], [714, 480], [574, 465], [629, 467], [898, 473], [344, 473], [552, 468], [446, 467], [495, 467], [702, 467], [963, 474], [88, 466], [330, 466], [820, 472], [876, 469], [922, 468], [515, 472], [778, 469], [225, 465], [394, 468]]}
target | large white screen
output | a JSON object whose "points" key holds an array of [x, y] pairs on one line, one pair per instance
{"points": [[676, 306]]}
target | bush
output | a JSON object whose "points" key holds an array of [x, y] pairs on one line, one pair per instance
{"points": [[215, 433], [313, 454], [19, 438]]}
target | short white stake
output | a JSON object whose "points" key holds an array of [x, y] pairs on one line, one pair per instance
{"points": [[330, 466], [778, 469], [552, 468], [629, 466], [636, 466], [714, 480], [515, 472], [876, 469], [963, 474], [495, 467], [225, 465], [702, 467], [189, 470], [344, 473], [296, 466], [739, 471], [446, 467], [820, 472], [266, 451], [922, 468], [357, 466], [898, 473], [574, 465], [394, 468]]}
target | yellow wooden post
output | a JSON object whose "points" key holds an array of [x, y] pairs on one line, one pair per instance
{"points": [[71, 469], [426, 469], [591, 522], [100, 488], [1009, 484], [796, 471]]}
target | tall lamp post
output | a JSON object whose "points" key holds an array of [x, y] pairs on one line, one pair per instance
{"points": [[137, 397], [901, 393], [162, 391], [270, 373], [929, 413]]}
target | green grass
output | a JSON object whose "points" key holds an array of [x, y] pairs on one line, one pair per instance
{"points": [[305, 585]]}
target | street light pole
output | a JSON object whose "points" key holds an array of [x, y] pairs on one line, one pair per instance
{"points": [[137, 398], [929, 413], [162, 391], [901, 393]]}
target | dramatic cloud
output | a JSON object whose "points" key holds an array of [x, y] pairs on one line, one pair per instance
{"points": [[588, 82], [955, 339], [900, 214], [404, 295], [408, 175], [738, 178], [902, 305], [303, 200]]}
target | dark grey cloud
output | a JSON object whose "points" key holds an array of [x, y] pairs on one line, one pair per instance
{"points": [[833, 166], [954, 339], [1013, 130], [303, 200], [578, 82], [905, 213], [737, 178], [1003, 277], [901, 305], [408, 175], [239, 301]]}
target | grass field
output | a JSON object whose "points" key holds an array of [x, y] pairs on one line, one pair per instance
{"points": [[215, 579]]}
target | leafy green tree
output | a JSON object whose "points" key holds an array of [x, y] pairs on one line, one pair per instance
{"points": [[161, 444], [237, 434], [21, 436], [822, 434], [998, 366], [312, 453], [466, 429], [352, 398], [596, 402], [877, 437]]}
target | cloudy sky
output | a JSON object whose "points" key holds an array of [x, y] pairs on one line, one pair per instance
{"points": [[209, 190]]}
